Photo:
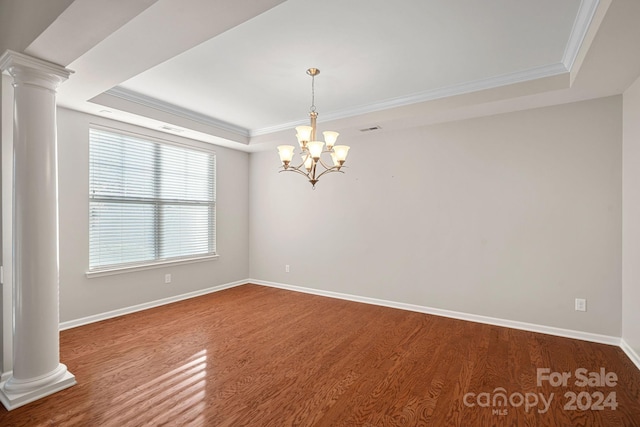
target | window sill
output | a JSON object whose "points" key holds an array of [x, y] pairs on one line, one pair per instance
{"points": [[148, 266]]}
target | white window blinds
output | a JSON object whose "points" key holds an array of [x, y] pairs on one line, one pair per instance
{"points": [[148, 201]]}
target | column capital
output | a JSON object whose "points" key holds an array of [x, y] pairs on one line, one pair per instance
{"points": [[26, 67]]}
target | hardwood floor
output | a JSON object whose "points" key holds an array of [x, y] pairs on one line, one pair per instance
{"points": [[257, 356]]}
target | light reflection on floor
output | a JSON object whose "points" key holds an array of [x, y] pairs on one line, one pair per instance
{"points": [[173, 398]]}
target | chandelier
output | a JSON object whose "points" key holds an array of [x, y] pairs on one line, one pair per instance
{"points": [[311, 164]]}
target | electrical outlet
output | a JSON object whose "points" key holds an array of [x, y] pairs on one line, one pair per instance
{"points": [[581, 304], [286, 268], [167, 278]]}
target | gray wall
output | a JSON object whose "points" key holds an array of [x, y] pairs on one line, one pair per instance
{"points": [[511, 216], [631, 218], [80, 296]]}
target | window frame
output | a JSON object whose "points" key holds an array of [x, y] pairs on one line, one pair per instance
{"points": [[157, 262]]}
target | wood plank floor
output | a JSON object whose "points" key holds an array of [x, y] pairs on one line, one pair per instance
{"points": [[257, 356]]}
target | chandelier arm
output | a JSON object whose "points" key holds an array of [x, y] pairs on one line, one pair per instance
{"points": [[333, 169], [296, 167], [295, 170], [324, 165]]}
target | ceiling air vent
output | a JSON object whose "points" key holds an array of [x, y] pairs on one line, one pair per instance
{"points": [[171, 129], [370, 129]]}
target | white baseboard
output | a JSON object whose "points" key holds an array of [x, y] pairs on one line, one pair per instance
{"points": [[635, 357], [532, 327], [127, 310]]}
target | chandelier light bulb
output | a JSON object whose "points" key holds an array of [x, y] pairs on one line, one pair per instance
{"points": [[315, 149], [335, 159], [286, 154], [304, 133], [341, 153], [330, 138], [308, 163]]}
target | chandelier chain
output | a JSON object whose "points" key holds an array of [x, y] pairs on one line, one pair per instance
{"points": [[313, 94]]}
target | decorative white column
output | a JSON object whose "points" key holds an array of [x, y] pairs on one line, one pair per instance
{"points": [[37, 371]]}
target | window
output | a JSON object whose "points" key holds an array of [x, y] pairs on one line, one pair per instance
{"points": [[149, 201]]}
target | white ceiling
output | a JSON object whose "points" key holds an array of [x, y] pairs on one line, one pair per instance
{"points": [[368, 51], [233, 73]]}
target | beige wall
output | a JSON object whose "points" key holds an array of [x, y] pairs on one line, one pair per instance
{"points": [[511, 216], [631, 218], [82, 297]]}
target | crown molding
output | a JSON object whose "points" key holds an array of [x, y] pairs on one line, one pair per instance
{"points": [[147, 101], [430, 95], [579, 31]]}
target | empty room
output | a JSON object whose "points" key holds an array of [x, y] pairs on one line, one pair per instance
{"points": [[336, 213]]}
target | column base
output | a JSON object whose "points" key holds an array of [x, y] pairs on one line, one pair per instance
{"points": [[17, 396]]}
